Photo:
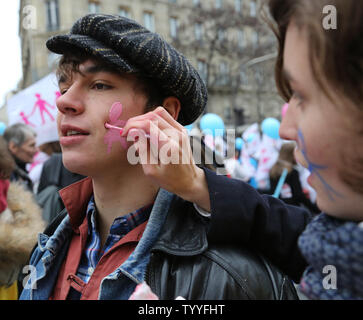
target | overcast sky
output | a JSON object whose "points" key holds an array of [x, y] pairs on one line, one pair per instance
{"points": [[10, 55]]}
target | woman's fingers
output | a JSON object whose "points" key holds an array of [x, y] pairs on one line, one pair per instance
{"points": [[159, 116], [160, 141]]}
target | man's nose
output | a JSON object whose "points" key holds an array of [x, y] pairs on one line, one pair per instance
{"points": [[70, 102]]}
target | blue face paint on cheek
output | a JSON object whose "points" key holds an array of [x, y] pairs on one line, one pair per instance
{"points": [[315, 168]]}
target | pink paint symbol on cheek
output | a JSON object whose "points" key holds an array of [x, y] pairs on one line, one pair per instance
{"points": [[113, 134]]}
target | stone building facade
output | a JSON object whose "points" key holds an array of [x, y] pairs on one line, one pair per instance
{"points": [[242, 90]]}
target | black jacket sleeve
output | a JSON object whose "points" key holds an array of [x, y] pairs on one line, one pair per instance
{"points": [[54, 173], [242, 216]]}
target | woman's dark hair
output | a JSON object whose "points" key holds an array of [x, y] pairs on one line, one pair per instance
{"points": [[336, 55], [336, 60]]}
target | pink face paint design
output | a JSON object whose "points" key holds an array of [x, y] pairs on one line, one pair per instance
{"points": [[113, 123], [109, 126]]}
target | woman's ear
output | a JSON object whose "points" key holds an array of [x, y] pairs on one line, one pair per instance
{"points": [[173, 106], [13, 148]]}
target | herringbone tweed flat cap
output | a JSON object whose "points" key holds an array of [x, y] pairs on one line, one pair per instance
{"points": [[132, 48]]}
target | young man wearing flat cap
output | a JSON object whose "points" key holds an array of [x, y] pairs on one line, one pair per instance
{"points": [[119, 228]]}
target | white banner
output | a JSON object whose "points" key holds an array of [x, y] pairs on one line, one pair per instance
{"points": [[267, 154], [252, 138], [35, 106]]}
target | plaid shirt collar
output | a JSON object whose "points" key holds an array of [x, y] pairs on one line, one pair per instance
{"points": [[120, 227]]}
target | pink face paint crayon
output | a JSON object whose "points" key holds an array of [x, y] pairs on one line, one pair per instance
{"points": [[109, 126]]}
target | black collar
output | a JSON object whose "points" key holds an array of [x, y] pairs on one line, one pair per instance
{"points": [[184, 232]]}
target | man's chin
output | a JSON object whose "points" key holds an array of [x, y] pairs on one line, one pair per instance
{"points": [[74, 165]]}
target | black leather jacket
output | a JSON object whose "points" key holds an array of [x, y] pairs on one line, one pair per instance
{"points": [[183, 264], [20, 175]]}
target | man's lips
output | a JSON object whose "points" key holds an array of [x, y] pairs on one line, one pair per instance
{"points": [[65, 128], [77, 136]]}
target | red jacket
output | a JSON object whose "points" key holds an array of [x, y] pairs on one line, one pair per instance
{"points": [[4, 186], [75, 198]]}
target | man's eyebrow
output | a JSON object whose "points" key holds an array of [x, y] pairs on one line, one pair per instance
{"points": [[99, 68], [63, 78]]}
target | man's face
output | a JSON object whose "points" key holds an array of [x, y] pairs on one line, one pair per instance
{"points": [[26, 151], [84, 105]]}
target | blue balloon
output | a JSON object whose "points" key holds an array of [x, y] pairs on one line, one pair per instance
{"points": [[270, 127], [189, 127], [254, 162], [239, 144], [251, 137], [212, 124], [2, 128]]}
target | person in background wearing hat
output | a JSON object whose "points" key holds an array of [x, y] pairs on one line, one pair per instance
{"points": [[22, 146], [20, 222], [118, 228]]}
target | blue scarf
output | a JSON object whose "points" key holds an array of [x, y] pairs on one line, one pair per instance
{"points": [[333, 249]]}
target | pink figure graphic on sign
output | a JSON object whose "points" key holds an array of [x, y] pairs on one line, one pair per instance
{"points": [[265, 158], [35, 162], [57, 95], [25, 119], [112, 136], [42, 105]]}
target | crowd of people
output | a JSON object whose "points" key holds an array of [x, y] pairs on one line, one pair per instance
{"points": [[106, 225], [284, 178], [32, 173]]}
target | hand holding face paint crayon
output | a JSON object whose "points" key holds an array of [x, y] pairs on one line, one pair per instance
{"points": [[165, 154]]}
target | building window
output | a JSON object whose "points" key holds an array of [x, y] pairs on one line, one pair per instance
{"points": [[253, 8], [255, 39], [93, 7], [223, 73], [124, 12], [221, 35], [238, 5], [241, 39], [243, 79], [196, 3], [227, 113], [172, 1], [219, 4], [259, 76], [202, 70], [149, 22], [198, 31], [173, 27], [52, 15]]}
